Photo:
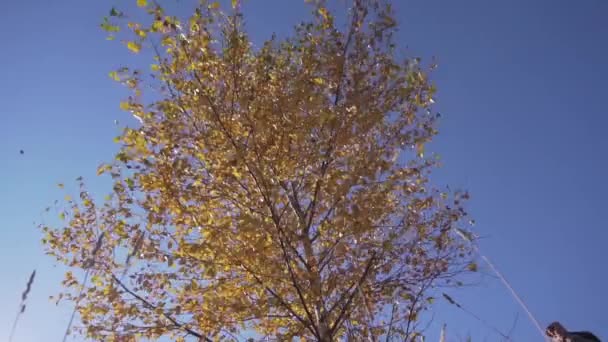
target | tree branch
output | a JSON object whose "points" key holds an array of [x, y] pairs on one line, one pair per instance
{"points": [[351, 296], [166, 315]]}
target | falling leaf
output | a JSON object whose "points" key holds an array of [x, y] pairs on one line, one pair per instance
{"points": [[133, 46]]}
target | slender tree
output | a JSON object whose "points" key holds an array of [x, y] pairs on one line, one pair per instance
{"points": [[277, 192]]}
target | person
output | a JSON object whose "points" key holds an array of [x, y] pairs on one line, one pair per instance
{"points": [[558, 333]]}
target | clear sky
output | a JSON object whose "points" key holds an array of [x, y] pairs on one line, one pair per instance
{"points": [[522, 89]]}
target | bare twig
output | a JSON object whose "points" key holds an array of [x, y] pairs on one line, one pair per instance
{"points": [[88, 264], [482, 321]]}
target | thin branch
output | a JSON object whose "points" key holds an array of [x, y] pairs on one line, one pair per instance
{"points": [[281, 301], [67, 329], [297, 287], [390, 324], [346, 306], [154, 307], [482, 321]]}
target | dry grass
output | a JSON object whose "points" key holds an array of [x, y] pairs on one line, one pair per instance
{"points": [[22, 304]]}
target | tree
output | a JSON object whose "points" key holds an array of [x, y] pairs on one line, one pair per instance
{"points": [[281, 190]]}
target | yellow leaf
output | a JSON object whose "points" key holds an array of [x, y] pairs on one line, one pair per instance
{"points": [[323, 12], [124, 105], [214, 5], [234, 3], [157, 26], [318, 80], [420, 150], [114, 75], [133, 46], [166, 41], [142, 3], [101, 169], [237, 174], [96, 280]]}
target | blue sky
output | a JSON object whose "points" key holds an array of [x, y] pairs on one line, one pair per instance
{"points": [[521, 89]]}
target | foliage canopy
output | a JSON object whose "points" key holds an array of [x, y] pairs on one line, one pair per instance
{"points": [[281, 189]]}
